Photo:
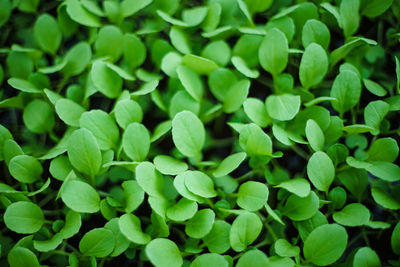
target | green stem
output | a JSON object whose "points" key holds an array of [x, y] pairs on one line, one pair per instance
{"points": [[271, 231]]}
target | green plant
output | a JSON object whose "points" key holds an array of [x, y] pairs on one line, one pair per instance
{"points": [[215, 133]]}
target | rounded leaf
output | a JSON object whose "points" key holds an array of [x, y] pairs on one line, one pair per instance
{"points": [[283, 107], [38, 116], [130, 227], [47, 33], [354, 214], [325, 244], [25, 169], [188, 133], [163, 252], [136, 142], [252, 195], [24, 217], [80, 197], [200, 224], [313, 66], [244, 231], [320, 170], [273, 52], [98, 242]]}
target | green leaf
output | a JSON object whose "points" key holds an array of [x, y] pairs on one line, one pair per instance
{"points": [[252, 196], [297, 186], [255, 141], [315, 31], [242, 67], [183, 210], [283, 107], [98, 242], [191, 82], [23, 85], [209, 259], [20, 256], [244, 231], [375, 8], [374, 88], [127, 111], [78, 57], [136, 142], [163, 253], [130, 227], [314, 135], [354, 214], [25, 169], [313, 66], [236, 95], [134, 195], [346, 89], [383, 149], [47, 33], [229, 164], [300, 209], [48, 245], [134, 50], [349, 16], [256, 111], [188, 133], [374, 113], [84, 152], [38, 116], [106, 80], [366, 257], [69, 111], [284, 249], [200, 65], [253, 257], [200, 184], [81, 15], [325, 244], [200, 224], [169, 166], [179, 40], [217, 241], [384, 199], [72, 224], [273, 52], [80, 197], [24, 217], [395, 240], [130, 7], [5, 11], [384, 170], [102, 127], [149, 179], [320, 171], [220, 81]]}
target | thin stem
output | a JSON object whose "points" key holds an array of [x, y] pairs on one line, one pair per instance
{"points": [[271, 231], [245, 176]]}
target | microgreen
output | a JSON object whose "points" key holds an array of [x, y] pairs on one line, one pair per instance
{"points": [[220, 133]]}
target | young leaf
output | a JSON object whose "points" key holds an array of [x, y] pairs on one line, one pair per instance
{"points": [[38, 116], [200, 184], [313, 66], [80, 197], [128, 111], [273, 52], [69, 111], [346, 89], [84, 152], [188, 133], [252, 196], [191, 82], [349, 16], [47, 33], [245, 229], [102, 126], [315, 31], [217, 241], [253, 257], [136, 142], [210, 259], [366, 257], [25, 169], [256, 111], [300, 209], [24, 217], [354, 214], [149, 179], [106, 80], [284, 249], [236, 95], [325, 244], [200, 224], [183, 210], [297, 186], [169, 166], [283, 107], [20, 256], [229, 164], [315, 135], [395, 240], [98, 242], [163, 252], [374, 113], [320, 171], [130, 227]]}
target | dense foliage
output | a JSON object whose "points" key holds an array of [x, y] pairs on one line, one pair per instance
{"points": [[199, 133]]}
